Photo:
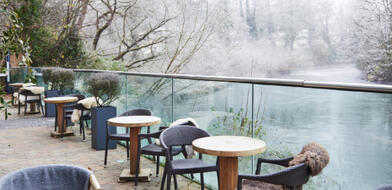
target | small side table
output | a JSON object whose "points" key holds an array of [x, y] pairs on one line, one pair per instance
{"points": [[228, 149], [134, 123], [60, 101]]}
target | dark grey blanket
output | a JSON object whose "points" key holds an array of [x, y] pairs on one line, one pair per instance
{"points": [[48, 177]]}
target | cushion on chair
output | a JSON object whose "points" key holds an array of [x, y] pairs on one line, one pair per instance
{"points": [[59, 177], [258, 185], [22, 98], [35, 89], [187, 165]]}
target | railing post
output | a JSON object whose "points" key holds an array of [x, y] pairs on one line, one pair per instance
{"points": [[253, 134], [172, 103]]}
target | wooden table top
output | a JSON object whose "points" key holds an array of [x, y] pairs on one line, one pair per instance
{"points": [[17, 84], [59, 100], [134, 121], [229, 146]]}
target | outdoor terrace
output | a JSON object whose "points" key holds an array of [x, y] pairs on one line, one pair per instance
{"points": [[352, 121], [26, 141]]}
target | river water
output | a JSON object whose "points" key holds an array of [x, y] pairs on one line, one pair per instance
{"points": [[355, 127]]}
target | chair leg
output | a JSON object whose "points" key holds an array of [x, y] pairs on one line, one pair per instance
{"points": [[42, 109], [18, 107], [202, 180], [157, 171], [149, 138], [168, 181], [82, 128], [25, 108], [175, 182], [127, 145], [239, 184], [55, 118], [163, 179], [137, 165], [106, 151]]}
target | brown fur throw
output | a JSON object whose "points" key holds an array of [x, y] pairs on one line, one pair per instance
{"points": [[314, 155]]}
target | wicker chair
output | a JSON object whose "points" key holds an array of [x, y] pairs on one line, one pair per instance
{"points": [[291, 177], [180, 136], [385, 187], [123, 137], [30, 98], [60, 177]]}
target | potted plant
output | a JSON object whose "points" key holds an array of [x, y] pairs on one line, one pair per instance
{"points": [[62, 79], [105, 87], [50, 109]]}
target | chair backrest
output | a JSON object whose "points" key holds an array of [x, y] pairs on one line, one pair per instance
{"points": [[293, 176], [385, 187], [28, 93], [136, 112], [60, 177], [79, 96], [181, 135]]}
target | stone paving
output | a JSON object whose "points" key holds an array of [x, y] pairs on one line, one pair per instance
{"points": [[26, 141]]}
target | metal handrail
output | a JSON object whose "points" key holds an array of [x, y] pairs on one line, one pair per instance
{"points": [[265, 81]]}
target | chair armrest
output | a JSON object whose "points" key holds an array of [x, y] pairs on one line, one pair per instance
{"points": [[282, 162], [70, 106], [163, 128], [152, 135], [94, 182]]}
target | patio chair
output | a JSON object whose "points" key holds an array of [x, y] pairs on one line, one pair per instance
{"points": [[310, 162], [180, 136], [59, 177], [29, 97], [125, 136], [85, 115], [154, 149], [385, 187]]}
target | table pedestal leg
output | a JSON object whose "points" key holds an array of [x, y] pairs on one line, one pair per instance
{"points": [[60, 121], [228, 173], [61, 129], [129, 174], [32, 107], [133, 145]]}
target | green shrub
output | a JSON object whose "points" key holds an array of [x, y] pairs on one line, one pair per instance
{"points": [[61, 79], [104, 87]]}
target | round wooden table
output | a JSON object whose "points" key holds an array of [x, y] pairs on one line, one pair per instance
{"points": [[228, 149], [60, 101], [134, 123]]}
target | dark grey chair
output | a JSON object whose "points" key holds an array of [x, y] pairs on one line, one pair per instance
{"points": [[83, 116], [291, 177], [123, 137], [154, 150], [180, 136], [36, 99], [385, 187], [60, 177]]}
